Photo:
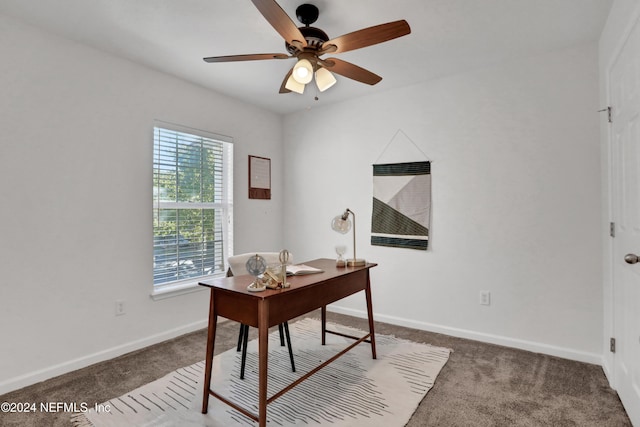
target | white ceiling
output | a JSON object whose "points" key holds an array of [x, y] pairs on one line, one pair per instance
{"points": [[448, 37]]}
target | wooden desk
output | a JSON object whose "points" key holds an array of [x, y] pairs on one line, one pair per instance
{"points": [[231, 299]]}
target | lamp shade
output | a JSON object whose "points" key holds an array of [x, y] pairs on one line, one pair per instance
{"points": [[341, 225], [293, 85], [324, 79], [303, 71]]}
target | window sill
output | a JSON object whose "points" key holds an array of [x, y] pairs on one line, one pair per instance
{"points": [[185, 286], [175, 290]]}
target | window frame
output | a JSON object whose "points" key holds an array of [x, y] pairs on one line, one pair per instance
{"points": [[190, 284]]}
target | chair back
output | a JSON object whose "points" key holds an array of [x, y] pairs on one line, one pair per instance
{"points": [[237, 262]]}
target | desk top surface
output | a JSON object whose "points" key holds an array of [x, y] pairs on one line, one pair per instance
{"points": [[239, 284]]}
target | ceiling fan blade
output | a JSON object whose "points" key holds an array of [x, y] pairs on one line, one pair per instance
{"points": [[254, 57], [351, 71], [369, 36], [280, 21], [284, 82]]}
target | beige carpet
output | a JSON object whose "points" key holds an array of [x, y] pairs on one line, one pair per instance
{"points": [[355, 390]]}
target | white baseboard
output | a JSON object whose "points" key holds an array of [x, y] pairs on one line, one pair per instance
{"points": [[82, 362], [565, 353], [608, 372], [62, 368]]}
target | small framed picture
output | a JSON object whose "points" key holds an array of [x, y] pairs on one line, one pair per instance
{"points": [[259, 177]]}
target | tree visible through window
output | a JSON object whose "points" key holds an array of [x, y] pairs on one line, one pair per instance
{"points": [[192, 205]]}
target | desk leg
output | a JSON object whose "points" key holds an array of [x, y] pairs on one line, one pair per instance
{"points": [[323, 317], [263, 354], [370, 314], [211, 338]]}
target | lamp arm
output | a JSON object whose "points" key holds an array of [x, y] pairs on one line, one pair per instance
{"points": [[354, 233]]}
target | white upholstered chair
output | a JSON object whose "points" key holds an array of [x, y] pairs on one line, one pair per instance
{"points": [[236, 268]]}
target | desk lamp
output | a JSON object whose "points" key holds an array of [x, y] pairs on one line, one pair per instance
{"points": [[342, 224]]}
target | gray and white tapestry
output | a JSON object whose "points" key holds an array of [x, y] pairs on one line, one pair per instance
{"points": [[401, 205]]}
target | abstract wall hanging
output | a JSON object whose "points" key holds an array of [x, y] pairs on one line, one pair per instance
{"points": [[401, 205]]}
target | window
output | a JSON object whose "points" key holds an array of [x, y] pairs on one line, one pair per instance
{"points": [[192, 205]]}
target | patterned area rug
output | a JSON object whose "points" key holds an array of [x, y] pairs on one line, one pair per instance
{"points": [[354, 390]]}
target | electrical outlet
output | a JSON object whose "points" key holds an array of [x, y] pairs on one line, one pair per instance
{"points": [[120, 307], [485, 298]]}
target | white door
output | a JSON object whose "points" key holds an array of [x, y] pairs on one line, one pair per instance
{"points": [[624, 81]]}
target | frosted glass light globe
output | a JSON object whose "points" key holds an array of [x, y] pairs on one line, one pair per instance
{"points": [[341, 225], [303, 71]]}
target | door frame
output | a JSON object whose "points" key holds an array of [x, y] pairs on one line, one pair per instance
{"points": [[609, 290]]}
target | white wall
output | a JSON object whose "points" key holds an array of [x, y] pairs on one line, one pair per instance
{"points": [[516, 200], [622, 15], [75, 190]]}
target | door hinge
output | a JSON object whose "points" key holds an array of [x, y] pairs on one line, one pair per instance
{"points": [[608, 110], [612, 345], [612, 229]]}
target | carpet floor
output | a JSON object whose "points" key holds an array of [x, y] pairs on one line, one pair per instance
{"points": [[355, 391], [481, 384]]}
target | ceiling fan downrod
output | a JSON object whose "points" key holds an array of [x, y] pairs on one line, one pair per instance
{"points": [[307, 14]]}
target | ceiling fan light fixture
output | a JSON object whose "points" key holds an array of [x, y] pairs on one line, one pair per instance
{"points": [[303, 71], [308, 44], [294, 86], [324, 79]]}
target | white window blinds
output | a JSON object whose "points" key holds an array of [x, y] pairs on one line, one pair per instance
{"points": [[192, 200]]}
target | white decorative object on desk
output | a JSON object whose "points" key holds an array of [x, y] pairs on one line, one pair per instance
{"points": [[341, 250]]}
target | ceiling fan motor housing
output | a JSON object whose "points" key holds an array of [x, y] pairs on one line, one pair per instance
{"points": [[307, 14], [315, 37]]}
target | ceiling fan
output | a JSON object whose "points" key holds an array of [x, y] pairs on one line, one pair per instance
{"points": [[307, 44]]}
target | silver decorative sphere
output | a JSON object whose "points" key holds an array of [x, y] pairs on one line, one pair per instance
{"points": [[256, 265]]}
